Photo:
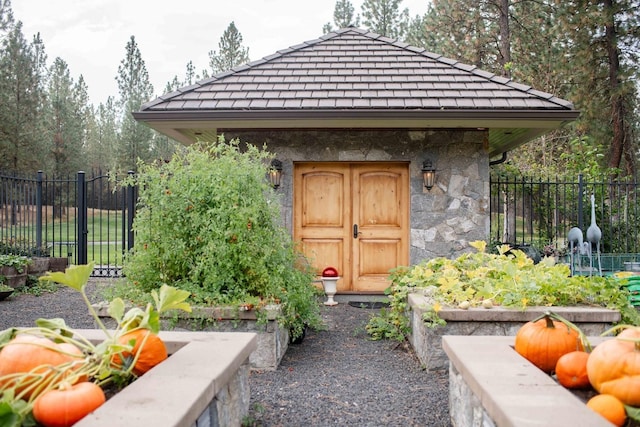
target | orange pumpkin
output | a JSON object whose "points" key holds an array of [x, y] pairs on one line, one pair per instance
{"points": [[544, 340], [29, 353], [67, 405], [609, 407], [147, 346], [614, 366], [75, 354], [571, 370]]}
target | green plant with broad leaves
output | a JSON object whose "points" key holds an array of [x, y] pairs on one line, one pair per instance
{"points": [[507, 278], [208, 222], [110, 361], [18, 262]]}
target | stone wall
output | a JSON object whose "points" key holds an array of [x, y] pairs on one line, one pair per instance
{"points": [[465, 408], [443, 220], [491, 385], [204, 383], [497, 321], [271, 337], [230, 405]]}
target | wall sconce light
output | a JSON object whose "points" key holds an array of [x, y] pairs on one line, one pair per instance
{"points": [[275, 173], [428, 174]]}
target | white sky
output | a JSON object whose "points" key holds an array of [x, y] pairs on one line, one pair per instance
{"points": [[91, 35]]}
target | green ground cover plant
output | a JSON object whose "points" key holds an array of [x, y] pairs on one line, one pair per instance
{"points": [[480, 279], [208, 222]]}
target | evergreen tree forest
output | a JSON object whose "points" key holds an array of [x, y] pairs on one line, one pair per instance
{"points": [[585, 51]]}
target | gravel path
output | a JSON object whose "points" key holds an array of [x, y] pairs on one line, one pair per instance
{"points": [[339, 377], [336, 376]]}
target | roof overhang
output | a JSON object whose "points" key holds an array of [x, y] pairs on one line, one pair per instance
{"points": [[507, 128]]}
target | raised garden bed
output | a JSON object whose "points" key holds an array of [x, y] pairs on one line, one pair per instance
{"points": [[12, 277], [497, 321], [204, 383], [272, 339], [492, 385]]}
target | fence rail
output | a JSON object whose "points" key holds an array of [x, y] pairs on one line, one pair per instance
{"points": [[75, 217], [527, 211]]}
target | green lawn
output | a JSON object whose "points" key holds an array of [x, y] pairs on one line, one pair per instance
{"points": [[59, 236]]}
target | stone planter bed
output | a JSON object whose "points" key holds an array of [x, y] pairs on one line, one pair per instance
{"points": [[204, 383], [272, 339], [492, 385], [13, 278], [497, 321]]}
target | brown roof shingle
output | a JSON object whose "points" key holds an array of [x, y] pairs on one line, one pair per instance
{"points": [[355, 69], [354, 78]]}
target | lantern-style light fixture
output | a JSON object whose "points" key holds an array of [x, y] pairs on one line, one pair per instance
{"points": [[275, 173], [428, 174]]}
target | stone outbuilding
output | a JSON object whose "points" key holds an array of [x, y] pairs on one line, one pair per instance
{"points": [[385, 147]]}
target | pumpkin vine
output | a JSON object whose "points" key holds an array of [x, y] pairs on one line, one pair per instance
{"points": [[51, 374]]}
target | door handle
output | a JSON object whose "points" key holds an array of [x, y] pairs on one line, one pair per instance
{"points": [[355, 231]]}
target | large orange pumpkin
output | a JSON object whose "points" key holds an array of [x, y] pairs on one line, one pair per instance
{"points": [[67, 405], [544, 340], [147, 346], [29, 353], [614, 366], [571, 370]]}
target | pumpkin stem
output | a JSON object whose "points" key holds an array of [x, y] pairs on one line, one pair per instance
{"points": [[583, 338], [549, 321]]}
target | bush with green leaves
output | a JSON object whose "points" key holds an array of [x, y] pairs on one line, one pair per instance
{"points": [[508, 278], [208, 222]]}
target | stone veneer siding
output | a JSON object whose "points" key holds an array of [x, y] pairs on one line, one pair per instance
{"points": [[443, 220]]}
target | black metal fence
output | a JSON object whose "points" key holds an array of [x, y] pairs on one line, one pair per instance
{"points": [[90, 218], [76, 217], [540, 213]]}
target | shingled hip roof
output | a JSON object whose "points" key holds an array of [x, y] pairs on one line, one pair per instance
{"points": [[359, 79]]}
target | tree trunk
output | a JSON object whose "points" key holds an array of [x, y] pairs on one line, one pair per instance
{"points": [[505, 38], [616, 93]]}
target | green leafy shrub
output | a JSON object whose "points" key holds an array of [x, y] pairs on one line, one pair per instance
{"points": [[208, 222], [508, 278]]}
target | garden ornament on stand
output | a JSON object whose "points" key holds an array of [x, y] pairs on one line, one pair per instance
{"points": [[594, 235], [329, 283], [576, 242]]}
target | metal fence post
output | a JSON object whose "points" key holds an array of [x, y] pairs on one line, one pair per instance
{"points": [[131, 209], [82, 222], [580, 197], [39, 249]]}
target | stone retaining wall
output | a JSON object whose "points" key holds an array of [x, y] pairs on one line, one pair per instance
{"points": [[204, 383], [272, 339], [491, 385], [497, 321]]}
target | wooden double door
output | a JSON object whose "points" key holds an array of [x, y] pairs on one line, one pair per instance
{"points": [[353, 217]]}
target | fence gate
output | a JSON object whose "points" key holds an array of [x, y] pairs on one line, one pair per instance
{"points": [[79, 218]]}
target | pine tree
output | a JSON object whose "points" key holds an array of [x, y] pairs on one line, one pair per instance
{"points": [[103, 137], [21, 98], [343, 16], [231, 53], [6, 17], [135, 89], [384, 17]]}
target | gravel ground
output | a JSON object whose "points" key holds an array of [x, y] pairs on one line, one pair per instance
{"points": [[339, 377], [334, 377]]}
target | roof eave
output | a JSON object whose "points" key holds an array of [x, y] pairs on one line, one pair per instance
{"points": [[507, 128], [244, 116]]}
